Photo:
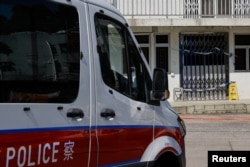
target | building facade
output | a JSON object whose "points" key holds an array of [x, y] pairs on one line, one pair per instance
{"points": [[204, 45]]}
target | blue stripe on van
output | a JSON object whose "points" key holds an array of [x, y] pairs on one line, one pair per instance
{"points": [[132, 163], [128, 163], [49, 129], [68, 128]]}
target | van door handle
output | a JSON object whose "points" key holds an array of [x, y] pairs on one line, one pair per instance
{"points": [[75, 113], [108, 113]]}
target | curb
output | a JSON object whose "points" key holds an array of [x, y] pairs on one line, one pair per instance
{"points": [[212, 107], [215, 118]]}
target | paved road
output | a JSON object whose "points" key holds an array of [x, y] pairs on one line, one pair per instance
{"points": [[215, 132]]}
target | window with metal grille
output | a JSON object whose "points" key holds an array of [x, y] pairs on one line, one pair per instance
{"points": [[207, 8], [191, 8], [242, 52], [241, 8], [224, 7]]}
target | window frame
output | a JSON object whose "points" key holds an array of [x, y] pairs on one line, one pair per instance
{"points": [[127, 58], [247, 58], [246, 47], [145, 45], [162, 45]]}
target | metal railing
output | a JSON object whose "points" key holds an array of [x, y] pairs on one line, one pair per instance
{"points": [[184, 8]]}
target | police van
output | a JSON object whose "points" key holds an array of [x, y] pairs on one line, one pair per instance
{"points": [[76, 91]]}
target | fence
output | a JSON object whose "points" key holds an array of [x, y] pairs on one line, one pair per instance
{"points": [[184, 8]]}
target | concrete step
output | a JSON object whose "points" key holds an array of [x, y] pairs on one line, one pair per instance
{"points": [[211, 107]]}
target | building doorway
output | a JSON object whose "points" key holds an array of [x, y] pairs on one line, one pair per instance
{"points": [[204, 66]]}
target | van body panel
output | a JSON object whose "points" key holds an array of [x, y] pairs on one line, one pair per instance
{"points": [[44, 147], [35, 134], [58, 105], [114, 133], [160, 144]]}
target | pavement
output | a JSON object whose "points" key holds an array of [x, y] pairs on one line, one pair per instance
{"points": [[215, 132], [212, 107], [220, 125]]}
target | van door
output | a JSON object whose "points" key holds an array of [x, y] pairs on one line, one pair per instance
{"points": [[45, 111], [124, 120]]}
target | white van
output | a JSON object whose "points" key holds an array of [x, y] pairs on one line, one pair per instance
{"points": [[76, 91]]}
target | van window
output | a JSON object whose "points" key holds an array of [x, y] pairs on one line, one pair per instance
{"points": [[121, 64], [39, 52]]}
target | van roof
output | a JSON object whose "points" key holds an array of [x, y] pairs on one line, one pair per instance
{"points": [[104, 4]]}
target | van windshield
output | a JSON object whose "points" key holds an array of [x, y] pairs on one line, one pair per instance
{"points": [[39, 52]]}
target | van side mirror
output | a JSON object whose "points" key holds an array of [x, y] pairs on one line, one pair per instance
{"points": [[159, 84]]}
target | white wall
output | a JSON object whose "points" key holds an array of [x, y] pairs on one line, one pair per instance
{"points": [[243, 83], [242, 78]]}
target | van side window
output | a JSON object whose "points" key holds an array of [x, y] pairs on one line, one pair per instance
{"points": [[121, 65], [39, 52]]}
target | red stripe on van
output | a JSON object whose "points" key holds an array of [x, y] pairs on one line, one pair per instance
{"points": [[70, 147]]}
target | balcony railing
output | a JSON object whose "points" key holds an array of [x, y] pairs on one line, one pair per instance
{"points": [[184, 8]]}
